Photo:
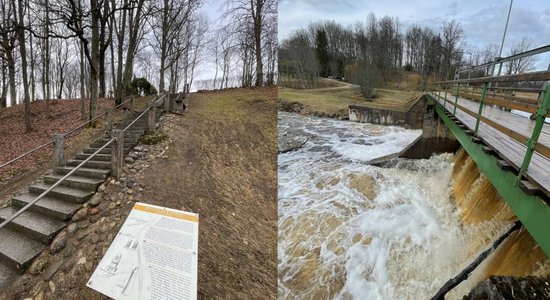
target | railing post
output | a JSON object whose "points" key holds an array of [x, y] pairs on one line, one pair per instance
{"points": [[151, 118], [483, 94], [133, 104], [172, 103], [456, 98], [166, 103], [117, 152], [58, 150], [108, 120], [445, 101], [542, 112]]}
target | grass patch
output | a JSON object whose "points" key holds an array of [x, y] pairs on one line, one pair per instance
{"points": [[153, 138], [335, 101]]}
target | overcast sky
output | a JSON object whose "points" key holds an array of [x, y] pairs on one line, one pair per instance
{"points": [[483, 21]]}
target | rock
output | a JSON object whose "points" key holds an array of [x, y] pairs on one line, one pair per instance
{"points": [[145, 150], [129, 160], [130, 183], [139, 149], [138, 167], [95, 200], [81, 261], [95, 238], [39, 296], [52, 286], [130, 198], [129, 192], [112, 205], [104, 205], [133, 171], [80, 215], [94, 211], [39, 265], [101, 188], [118, 203], [68, 252], [82, 235], [59, 243], [120, 195], [50, 272]]}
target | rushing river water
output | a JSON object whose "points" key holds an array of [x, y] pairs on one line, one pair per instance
{"points": [[350, 230]]}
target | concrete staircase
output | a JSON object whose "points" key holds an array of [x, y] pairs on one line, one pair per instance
{"points": [[30, 233]]}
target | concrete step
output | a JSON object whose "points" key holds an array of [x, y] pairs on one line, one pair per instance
{"points": [[32, 224], [127, 143], [62, 193], [106, 150], [86, 172], [94, 164], [77, 182], [98, 157], [7, 275], [54, 208], [17, 250]]}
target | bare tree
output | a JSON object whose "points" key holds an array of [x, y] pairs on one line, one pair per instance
{"points": [[452, 41], [9, 38], [523, 64], [257, 11], [20, 30]]}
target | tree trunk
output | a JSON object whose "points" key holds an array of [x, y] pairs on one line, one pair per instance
{"points": [[47, 62], [94, 66], [258, 42], [11, 73], [82, 84], [23, 50]]}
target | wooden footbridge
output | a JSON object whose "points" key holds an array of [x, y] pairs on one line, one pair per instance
{"points": [[500, 120]]}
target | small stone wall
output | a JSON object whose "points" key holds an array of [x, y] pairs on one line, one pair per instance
{"points": [[436, 137]]}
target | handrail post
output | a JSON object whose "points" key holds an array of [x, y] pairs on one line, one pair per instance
{"points": [[117, 152], [133, 104], [456, 98], [166, 103], [483, 95], [151, 118], [445, 101], [108, 120], [541, 113], [58, 150]]}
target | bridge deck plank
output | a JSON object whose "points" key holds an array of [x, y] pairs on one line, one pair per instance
{"points": [[507, 147]]}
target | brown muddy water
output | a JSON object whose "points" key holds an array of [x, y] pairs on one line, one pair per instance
{"points": [[351, 230]]}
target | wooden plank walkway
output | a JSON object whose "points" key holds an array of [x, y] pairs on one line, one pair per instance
{"points": [[506, 134]]}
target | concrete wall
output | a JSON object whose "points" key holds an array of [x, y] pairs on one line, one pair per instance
{"points": [[436, 137]]}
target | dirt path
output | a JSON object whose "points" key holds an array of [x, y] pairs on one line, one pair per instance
{"points": [[220, 162]]}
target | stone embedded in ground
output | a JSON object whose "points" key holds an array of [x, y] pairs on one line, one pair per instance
{"points": [[52, 286], [39, 265], [80, 214], [59, 243], [71, 229], [95, 200], [130, 183], [52, 269], [129, 160], [94, 211]]}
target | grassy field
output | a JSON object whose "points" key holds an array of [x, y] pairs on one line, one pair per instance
{"points": [[334, 101]]}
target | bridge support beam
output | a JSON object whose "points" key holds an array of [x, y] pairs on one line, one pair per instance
{"points": [[532, 210]]}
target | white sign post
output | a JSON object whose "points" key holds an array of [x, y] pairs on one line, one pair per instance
{"points": [[153, 256]]}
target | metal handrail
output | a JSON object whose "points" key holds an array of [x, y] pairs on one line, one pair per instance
{"points": [[499, 60], [51, 142], [532, 76], [33, 202], [26, 207]]}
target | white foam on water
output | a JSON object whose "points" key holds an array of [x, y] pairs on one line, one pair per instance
{"points": [[335, 242]]}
